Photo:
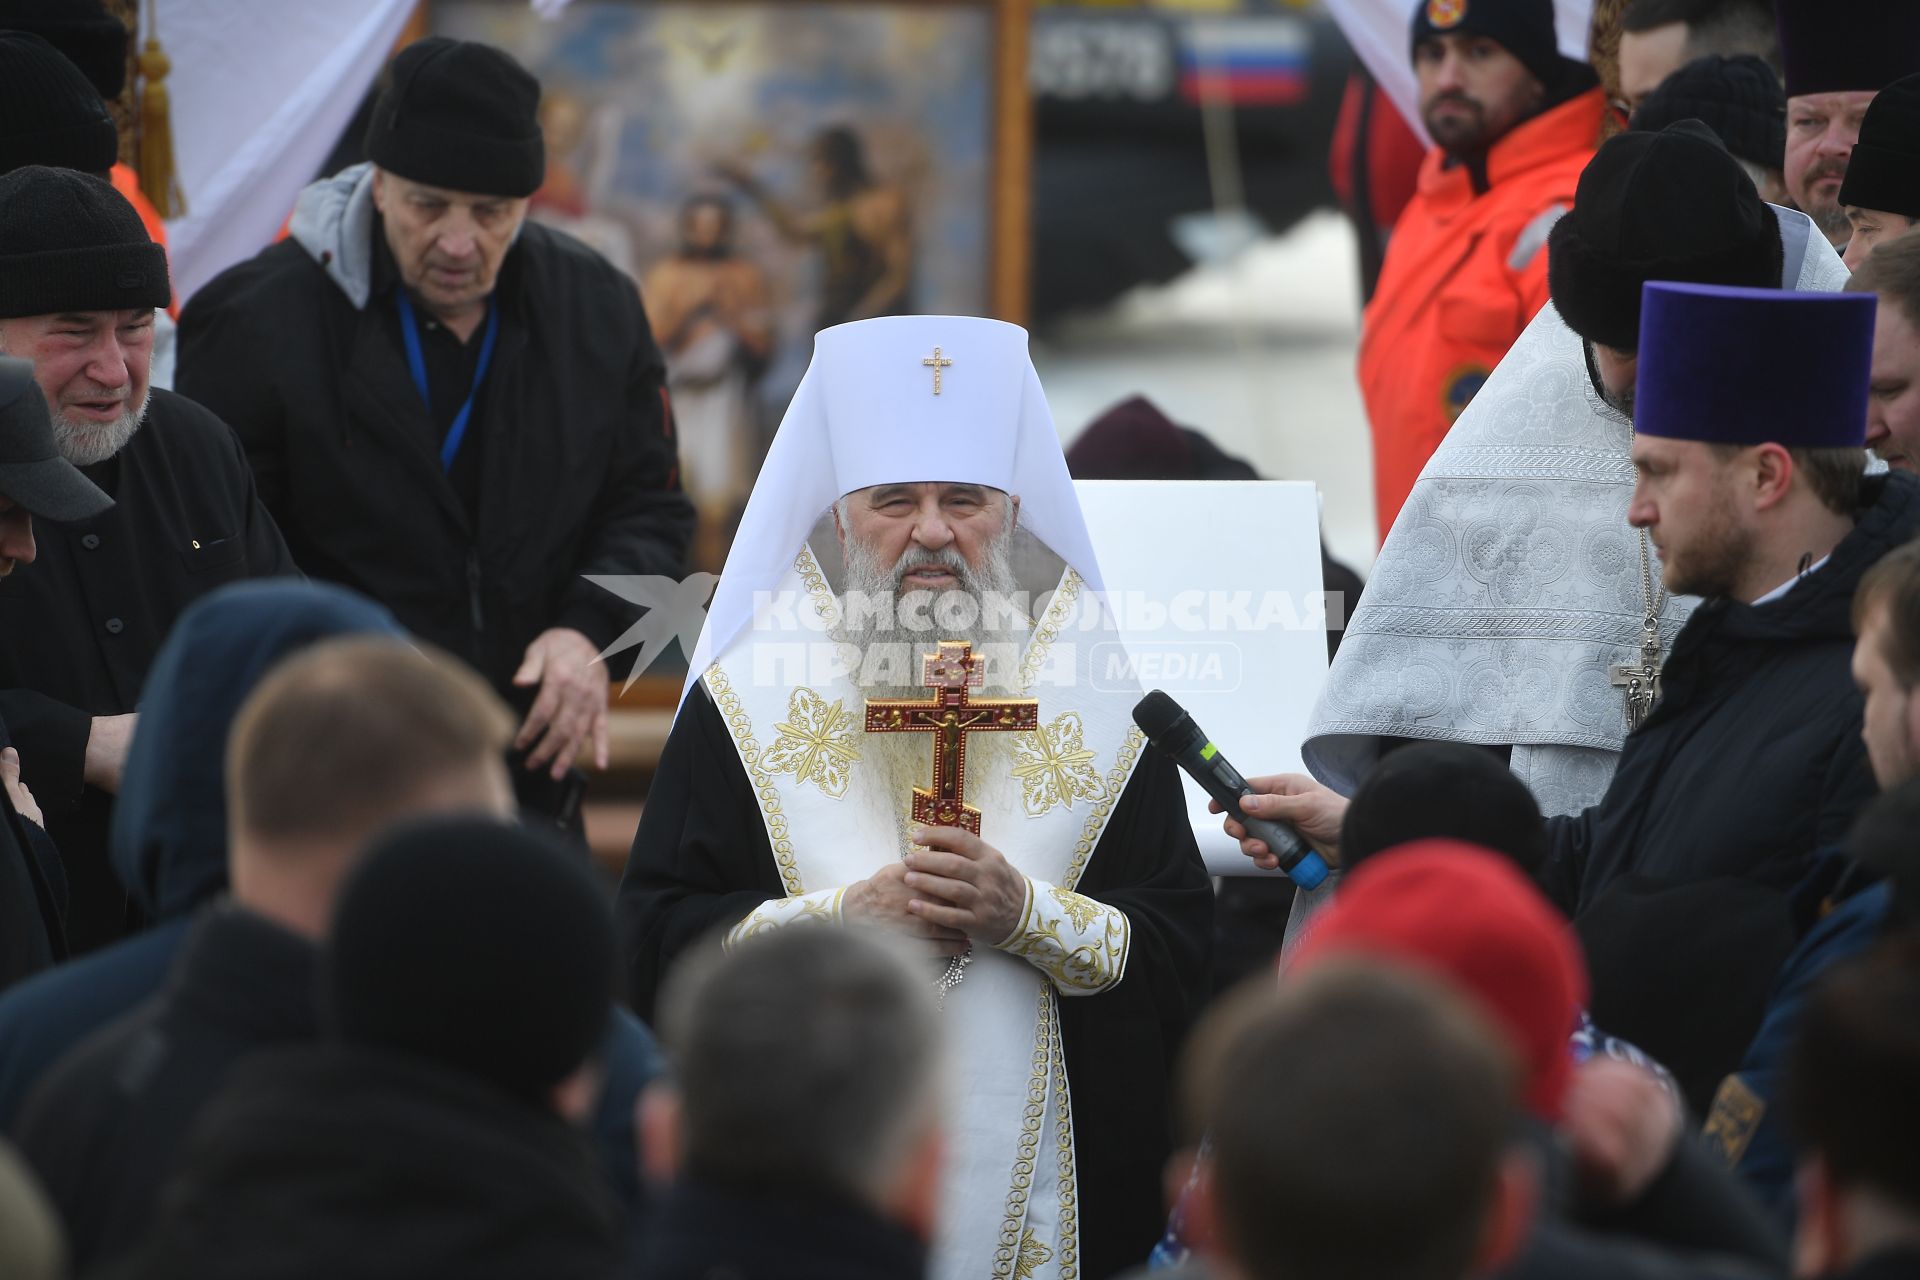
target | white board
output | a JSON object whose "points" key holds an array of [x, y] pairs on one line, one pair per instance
{"points": [[1217, 589]]}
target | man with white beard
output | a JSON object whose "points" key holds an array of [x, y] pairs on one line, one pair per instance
{"points": [[79, 284], [1023, 838]]}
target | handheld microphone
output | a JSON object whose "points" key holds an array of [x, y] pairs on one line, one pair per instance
{"points": [[1171, 730]]}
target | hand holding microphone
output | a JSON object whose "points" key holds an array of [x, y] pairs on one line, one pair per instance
{"points": [[1277, 822]]}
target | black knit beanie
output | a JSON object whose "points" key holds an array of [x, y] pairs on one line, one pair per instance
{"points": [[1740, 99], [90, 37], [49, 113], [1884, 171], [70, 242], [481, 946], [462, 116], [1846, 46], [1671, 205], [1443, 790], [1524, 28]]}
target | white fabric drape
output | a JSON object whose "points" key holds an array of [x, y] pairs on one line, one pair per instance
{"points": [[260, 93]]}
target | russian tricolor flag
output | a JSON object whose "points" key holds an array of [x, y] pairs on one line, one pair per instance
{"points": [[1251, 62]]}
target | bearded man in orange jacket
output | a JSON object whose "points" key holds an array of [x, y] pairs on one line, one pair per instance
{"points": [[1513, 123]]}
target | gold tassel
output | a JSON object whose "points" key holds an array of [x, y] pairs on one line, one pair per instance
{"points": [[157, 178]]}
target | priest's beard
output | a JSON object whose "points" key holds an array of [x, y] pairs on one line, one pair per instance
{"points": [[884, 635], [85, 443]]}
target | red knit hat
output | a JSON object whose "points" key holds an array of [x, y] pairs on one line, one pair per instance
{"points": [[1473, 917]]}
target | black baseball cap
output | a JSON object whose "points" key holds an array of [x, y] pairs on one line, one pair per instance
{"points": [[32, 472]]}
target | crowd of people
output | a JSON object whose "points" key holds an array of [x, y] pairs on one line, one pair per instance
{"points": [[304, 970]]}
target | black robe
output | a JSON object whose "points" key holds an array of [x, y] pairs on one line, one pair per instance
{"points": [[1679, 879], [701, 860], [80, 625]]}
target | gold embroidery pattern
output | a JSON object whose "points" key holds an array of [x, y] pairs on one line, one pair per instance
{"points": [[1082, 911], [820, 907], [1732, 1120], [1049, 629], [740, 725], [1123, 763], [1063, 1113], [1055, 767], [816, 584], [1007, 1256], [1086, 964], [1033, 1256], [816, 743]]}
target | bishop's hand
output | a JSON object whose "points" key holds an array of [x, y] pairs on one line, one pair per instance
{"points": [[962, 882], [883, 900]]}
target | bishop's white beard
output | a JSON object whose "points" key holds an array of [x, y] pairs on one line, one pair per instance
{"points": [[884, 635]]}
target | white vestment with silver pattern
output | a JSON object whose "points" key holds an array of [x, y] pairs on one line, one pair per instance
{"points": [[1510, 585]]}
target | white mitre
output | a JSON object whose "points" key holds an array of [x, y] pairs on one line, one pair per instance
{"points": [[867, 414], [1510, 583]]}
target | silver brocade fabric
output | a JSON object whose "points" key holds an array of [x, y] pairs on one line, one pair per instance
{"points": [[1510, 584]]}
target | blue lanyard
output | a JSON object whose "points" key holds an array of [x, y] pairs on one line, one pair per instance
{"points": [[417, 362]]}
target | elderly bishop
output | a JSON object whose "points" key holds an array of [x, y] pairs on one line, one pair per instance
{"points": [[931, 749]]}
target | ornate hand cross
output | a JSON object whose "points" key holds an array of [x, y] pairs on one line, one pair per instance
{"points": [[937, 362], [950, 715]]}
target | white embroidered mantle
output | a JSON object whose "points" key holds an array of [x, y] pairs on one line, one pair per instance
{"points": [[1011, 1203]]}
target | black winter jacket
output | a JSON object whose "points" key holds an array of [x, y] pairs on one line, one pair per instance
{"points": [[1678, 879], [571, 432]]}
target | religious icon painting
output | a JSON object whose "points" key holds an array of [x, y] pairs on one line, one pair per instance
{"points": [[766, 170]]}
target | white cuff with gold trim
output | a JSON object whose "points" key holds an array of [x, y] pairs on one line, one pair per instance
{"points": [[822, 906], [1079, 943]]}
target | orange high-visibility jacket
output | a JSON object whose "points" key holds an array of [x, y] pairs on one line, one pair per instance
{"points": [[1465, 271]]}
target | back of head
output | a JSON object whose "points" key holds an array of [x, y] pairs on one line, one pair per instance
{"points": [[1739, 98], [1471, 917], [1359, 1118], [1134, 440], [1882, 169], [1892, 271], [478, 946], [169, 838], [1851, 1071], [462, 116], [82, 30], [1443, 791], [1728, 28], [49, 113], [1672, 205], [855, 1033], [348, 736]]}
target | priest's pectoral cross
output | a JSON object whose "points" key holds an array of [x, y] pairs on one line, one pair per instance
{"points": [[1640, 682], [950, 715]]}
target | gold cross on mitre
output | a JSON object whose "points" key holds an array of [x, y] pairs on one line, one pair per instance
{"points": [[950, 715], [937, 362]]}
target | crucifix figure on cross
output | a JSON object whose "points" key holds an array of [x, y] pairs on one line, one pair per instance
{"points": [[937, 362], [950, 715]]}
